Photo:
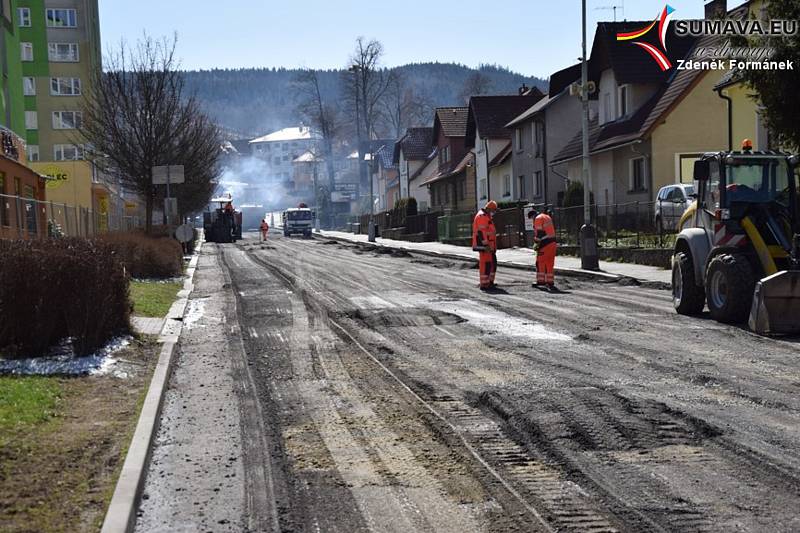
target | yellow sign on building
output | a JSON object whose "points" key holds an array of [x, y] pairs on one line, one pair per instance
{"points": [[69, 182]]}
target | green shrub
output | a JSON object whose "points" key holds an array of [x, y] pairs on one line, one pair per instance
{"points": [[56, 289], [147, 256]]}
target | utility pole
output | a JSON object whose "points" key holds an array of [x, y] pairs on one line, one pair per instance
{"points": [[316, 196], [588, 236]]}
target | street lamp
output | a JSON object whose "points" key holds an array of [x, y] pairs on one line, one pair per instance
{"points": [[588, 236]]}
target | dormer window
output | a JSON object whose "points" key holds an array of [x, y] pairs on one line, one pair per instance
{"points": [[622, 101]]}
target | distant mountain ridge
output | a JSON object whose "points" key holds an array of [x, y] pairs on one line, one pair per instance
{"points": [[256, 101]]}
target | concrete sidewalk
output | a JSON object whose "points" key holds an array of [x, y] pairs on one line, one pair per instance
{"points": [[517, 257]]}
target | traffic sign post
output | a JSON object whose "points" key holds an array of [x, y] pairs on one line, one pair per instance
{"points": [[166, 175]]}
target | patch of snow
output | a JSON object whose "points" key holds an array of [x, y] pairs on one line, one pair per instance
{"points": [[62, 360], [194, 312]]}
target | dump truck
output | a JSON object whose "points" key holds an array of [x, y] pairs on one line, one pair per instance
{"points": [[738, 248], [223, 223], [296, 220]]}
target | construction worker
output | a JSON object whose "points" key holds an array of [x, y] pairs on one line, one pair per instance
{"points": [[544, 239], [264, 229], [484, 240]]}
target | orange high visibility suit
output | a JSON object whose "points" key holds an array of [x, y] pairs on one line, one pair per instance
{"points": [[264, 229], [545, 238], [484, 240]]}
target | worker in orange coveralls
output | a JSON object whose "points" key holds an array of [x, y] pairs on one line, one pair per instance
{"points": [[484, 240], [264, 229], [544, 239]]}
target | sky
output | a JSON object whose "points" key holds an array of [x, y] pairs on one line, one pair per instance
{"points": [[533, 37]]}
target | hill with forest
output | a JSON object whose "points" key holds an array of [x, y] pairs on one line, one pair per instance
{"points": [[256, 101]]}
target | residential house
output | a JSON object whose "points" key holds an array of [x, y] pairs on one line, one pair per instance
{"points": [[307, 170], [412, 156], [385, 176], [746, 121], [647, 130], [488, 135], [542, 131], [452, 184]]}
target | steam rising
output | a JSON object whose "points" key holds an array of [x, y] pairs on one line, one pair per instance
{"points": [[246, 178]]}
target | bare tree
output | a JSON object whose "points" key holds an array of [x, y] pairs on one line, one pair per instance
{"points": [[323, 116], [403, 106], [365, 85], [476, 84], [135, 117]]}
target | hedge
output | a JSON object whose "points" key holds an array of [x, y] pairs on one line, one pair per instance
{"points": [[57, 289], [147, 256]]}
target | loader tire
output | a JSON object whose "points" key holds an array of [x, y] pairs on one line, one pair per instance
{"points": [[730, 282], [687, 297]]}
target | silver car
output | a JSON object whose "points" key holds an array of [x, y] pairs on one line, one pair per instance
{"points": [[671, 203]]}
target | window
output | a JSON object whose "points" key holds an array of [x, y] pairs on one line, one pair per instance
{"points": [[506, 185], [276, 161], [483, 189], [462, 189], [637, 174], [62, 18], [521, 186], [285, 147], [33, 152], [67, 120], [24, 17], [607, 115], [538, 138], [622, 103], [63, 52], [29, 86], [31, 120], [538, 184], [518, 138], [65, 86], [285, 157], [67, 152], [26, 51], [444, 155]]}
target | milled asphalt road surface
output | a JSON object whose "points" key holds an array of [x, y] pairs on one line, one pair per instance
{"points": [[329, 387]]}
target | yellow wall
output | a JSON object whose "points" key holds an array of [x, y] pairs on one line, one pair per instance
{"points": [[73, 185], [744, 116], [699, 123]]}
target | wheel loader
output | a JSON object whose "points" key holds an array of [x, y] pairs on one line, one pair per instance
{"points": [[738, 249]]}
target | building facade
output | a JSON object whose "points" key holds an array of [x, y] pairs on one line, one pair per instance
{"points": [[60, 55], [280, 148]]}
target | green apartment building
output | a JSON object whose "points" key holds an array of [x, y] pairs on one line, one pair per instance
{"points": [[19, 185], [59, 48]]}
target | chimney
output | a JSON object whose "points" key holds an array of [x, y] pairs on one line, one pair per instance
{"points": [[523, 90], [716, 9]]}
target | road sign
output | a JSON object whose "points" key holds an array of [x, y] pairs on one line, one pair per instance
{"points": [[174, 172], [184, 233]]}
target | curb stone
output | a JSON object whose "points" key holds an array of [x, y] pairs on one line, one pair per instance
{"points": [[573, 272], [121, 514]]}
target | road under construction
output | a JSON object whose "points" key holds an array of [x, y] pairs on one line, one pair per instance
{"points": [[377, 390]]}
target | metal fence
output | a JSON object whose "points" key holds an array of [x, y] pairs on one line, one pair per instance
{"points": [[629, 225], [27, 218]]}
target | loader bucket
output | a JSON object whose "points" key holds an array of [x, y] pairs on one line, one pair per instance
{"points": [[776, 304]]}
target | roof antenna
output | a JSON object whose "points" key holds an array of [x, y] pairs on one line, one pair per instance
{"points": [[613, 8]]}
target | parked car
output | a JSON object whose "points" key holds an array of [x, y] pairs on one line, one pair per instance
{"points": [[671, 202]]}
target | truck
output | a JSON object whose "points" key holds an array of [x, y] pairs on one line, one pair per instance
{"points": [[224, 223], [297, 220]]}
